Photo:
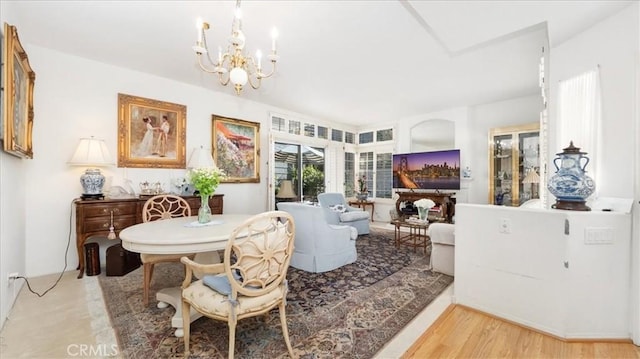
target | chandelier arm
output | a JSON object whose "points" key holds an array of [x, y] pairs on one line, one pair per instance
{"points": [[255, 87], [204, 68], [273, 70], [222, 79]]}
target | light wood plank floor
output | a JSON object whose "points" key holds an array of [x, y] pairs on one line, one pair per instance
{"points": [[465, 333]]}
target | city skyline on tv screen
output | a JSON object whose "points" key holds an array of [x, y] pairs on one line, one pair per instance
{"points": [[427, 170]]}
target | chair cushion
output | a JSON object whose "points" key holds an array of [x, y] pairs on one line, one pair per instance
{"points": [[219, 282], [209, 301], [354, 216]]}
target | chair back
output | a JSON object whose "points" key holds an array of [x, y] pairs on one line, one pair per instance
{"points": [[165, 206], [331, 199], [258, 253]]}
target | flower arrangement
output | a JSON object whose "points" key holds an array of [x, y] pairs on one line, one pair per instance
{"points": [[206, 180], [362, 184], [424, 203]]}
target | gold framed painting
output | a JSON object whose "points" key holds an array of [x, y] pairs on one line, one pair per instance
{"points": [[236, 149], [151, 133], [18, 79]]}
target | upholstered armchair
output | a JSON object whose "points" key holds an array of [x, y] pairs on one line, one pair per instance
{"points": [[338, 211], [320, 246], [442, 247]]}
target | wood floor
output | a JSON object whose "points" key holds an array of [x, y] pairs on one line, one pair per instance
{"points": [[465, 333]]}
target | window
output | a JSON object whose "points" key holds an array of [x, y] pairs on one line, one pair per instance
{"points": [[384, 135], [323, 132], [294, 127], [378, 173], [277, 123], [384, 176], [349, 137], [309, 130], [349, 174], [336, 135], [579, 116], [365, 137]]}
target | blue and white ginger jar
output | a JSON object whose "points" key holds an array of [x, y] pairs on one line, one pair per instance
{"points": [[570, 183]]}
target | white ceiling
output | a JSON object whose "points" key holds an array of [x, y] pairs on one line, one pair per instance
{"points": [[355, 62]]}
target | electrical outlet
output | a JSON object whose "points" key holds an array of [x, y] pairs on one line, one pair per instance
{"points": [[505, 225], [13, 276]]}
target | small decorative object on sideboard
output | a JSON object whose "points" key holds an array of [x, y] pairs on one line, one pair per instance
{"points": [[570, 184], [363, 194]]}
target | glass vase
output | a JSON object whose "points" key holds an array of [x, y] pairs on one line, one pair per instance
{"points": [[423, 212], [204, 213]]}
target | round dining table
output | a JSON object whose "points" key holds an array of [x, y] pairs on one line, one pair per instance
{"points": [[181, 235]]}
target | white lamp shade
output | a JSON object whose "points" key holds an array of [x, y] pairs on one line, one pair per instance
{"points": [[200, 158], [286, 190], [91, 152]]}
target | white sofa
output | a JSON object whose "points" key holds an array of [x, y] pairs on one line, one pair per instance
{"points": [[442, 247], [319, 246]]}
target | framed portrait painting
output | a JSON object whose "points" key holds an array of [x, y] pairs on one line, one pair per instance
{"points": [[236, 149], [17, 81], [151, 133]]}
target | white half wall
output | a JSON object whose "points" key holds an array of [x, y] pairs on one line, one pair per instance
{"points": [[541, 268]]}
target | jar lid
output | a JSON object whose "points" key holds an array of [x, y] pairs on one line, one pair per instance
{"points": [[571, 150]]}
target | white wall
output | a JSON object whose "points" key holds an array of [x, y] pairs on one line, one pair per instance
{"points": [[614, 45], [520, 274], [12, 215]]}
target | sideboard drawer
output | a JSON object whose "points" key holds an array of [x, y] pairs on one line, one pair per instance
{"points": [[98, 224], [119, 209]]}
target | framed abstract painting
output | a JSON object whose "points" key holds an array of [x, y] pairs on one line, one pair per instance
{"points": [[236, 149]]}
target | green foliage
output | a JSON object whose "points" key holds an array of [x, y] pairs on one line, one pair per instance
{"points": [[206, 180], [312, 180]]}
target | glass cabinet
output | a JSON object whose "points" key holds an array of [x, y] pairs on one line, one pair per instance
{"points": [[514, 164]]}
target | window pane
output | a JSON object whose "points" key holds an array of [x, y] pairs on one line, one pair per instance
{"points": [[309, 130], [384, 135], [277, 123], [384, 175], [349, 137], [365, 137], [365, 169], [323, 132], [294, 127], [336, 135], [349, 174]]}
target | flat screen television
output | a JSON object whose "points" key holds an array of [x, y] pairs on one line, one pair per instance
{"points": [[435, 170]]}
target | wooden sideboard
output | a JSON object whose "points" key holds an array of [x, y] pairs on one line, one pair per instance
{"points": [[445, 200], [93, 217]]}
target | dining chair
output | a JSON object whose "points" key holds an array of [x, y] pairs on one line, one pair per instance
{"points": [[251, 281], [156, 208]]}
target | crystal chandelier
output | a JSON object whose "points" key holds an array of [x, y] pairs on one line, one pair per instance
{"points": [[233, 65]]}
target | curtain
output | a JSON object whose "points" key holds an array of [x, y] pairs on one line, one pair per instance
{"points": [[580, 117]]}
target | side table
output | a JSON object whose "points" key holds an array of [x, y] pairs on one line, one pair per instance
{"points": [[363, 205], [416, 237]]}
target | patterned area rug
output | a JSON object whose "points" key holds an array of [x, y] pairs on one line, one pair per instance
{"points": [[350, 312]]}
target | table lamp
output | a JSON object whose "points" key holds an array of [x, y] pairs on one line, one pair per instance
{"points": [[91, 152], [286, 190], [200, 158], [533, 179]]}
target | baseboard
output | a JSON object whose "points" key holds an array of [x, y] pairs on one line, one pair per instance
{"points": [[566, 339]]}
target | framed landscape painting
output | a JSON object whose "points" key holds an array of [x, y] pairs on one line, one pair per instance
{"points": [[151, 133], [16, 129], [236, 149]]}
